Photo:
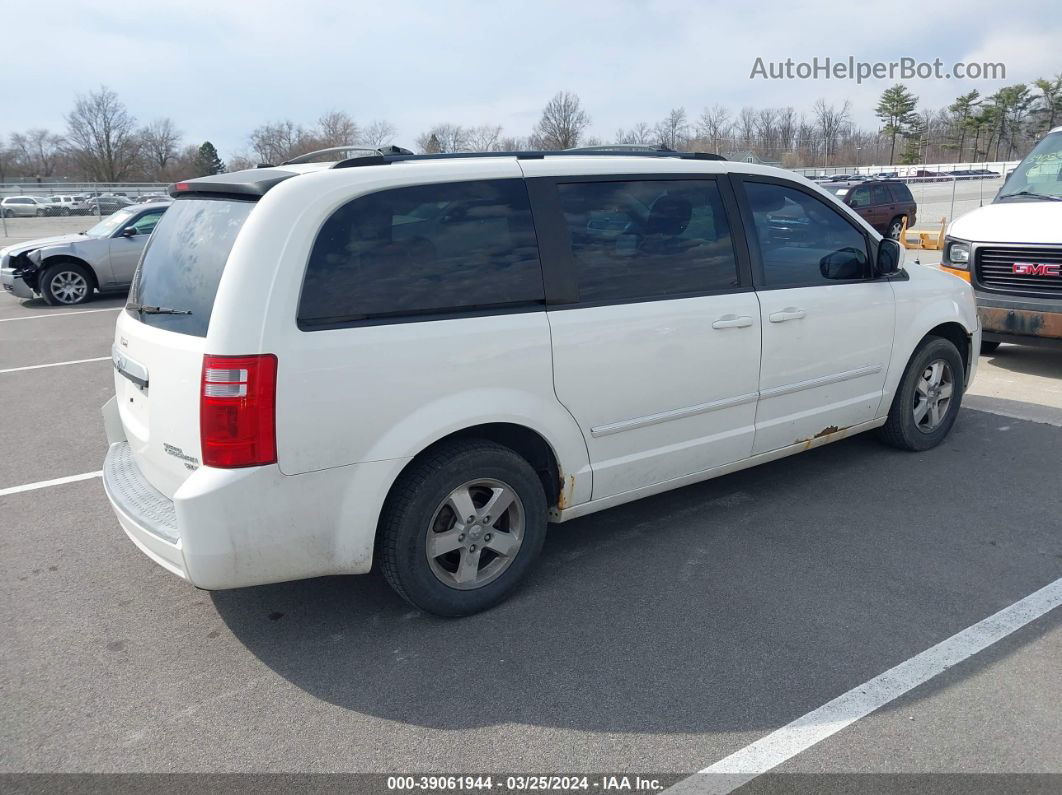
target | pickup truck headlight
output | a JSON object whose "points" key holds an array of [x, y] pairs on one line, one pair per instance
{"points": [[956, 254]]}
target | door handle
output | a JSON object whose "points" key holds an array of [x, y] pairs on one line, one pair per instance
{"points": [[789, 313], [732, 321]]}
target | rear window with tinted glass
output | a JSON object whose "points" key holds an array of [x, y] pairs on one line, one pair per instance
{"points": [[421, 252], [183, 262], [900, 192]]}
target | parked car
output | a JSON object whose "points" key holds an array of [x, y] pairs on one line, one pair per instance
{"points": [[151, 197], [24, 207], [107, 204], [52, 205], [1011, 252], [884, 204], [67, 268], [925, 175], [589, 329], [68, 204], [82, 205]]}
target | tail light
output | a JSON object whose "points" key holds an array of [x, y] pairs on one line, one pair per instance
{"points": [[237, 411]]}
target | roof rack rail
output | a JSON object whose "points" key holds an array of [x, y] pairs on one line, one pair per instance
{"points": [[383, 158], [373, 150], [625, 148]]}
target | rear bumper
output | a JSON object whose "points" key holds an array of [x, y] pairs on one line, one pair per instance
{"points": [[13, 284], [1024, 321], [146, 515], [230, 528]]}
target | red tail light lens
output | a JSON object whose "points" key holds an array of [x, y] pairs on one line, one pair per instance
{"points": [[237, 411]]}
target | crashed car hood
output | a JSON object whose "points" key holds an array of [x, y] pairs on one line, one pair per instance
{"points": [[41, 242]]}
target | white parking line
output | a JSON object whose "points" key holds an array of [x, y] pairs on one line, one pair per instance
{"points": [[55, 364], [63, 314], [768, 752], [43, 484]]}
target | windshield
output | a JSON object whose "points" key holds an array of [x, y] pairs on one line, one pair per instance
{"points": [[183, 262], [109, 225], [1039, 173]]}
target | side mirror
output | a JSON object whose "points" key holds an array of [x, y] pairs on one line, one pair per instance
{"points": [[890, 257], [129, 231], [845, 263]]}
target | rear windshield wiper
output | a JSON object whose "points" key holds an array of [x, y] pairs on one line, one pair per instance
{"points": [[157, 310], [1034, 195]]}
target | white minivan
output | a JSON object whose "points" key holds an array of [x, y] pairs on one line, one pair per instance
{"points": [[421, 360]]}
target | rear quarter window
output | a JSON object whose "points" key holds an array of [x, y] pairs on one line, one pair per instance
{"points": [[901, 192], [421, 252]]}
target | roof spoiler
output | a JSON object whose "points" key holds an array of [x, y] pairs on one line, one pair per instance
{"points": [[249, 184]]}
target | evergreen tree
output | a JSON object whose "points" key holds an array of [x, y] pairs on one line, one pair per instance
{"points": [[963, 109], [207, 161], [896, 110]]}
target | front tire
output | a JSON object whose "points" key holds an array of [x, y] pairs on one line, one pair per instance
{"points": [[928, 397], [65, 284], [462, 527]]}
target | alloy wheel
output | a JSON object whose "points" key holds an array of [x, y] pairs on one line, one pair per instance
{"points": [[933, 393], [69, 287], [475, 534]]}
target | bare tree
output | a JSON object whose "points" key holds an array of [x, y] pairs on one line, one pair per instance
{"points": [[240, 161], [444, 138], [102, 135], [673, 131], [766, 129], [830, 121], [275, 142], [379, 133], [38, 151], [512, 144], [484, 138], [746, 126], [787, 128], [336, 128], [641, 133], [562, 124], [714, 126], [160, 140]]}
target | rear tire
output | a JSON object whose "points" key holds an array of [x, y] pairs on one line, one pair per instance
{"points": [[65, 284], [987, 346], [895, 227], [482, 558], [928, 397]]}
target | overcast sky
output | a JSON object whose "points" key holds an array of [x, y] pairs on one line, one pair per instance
{"points": [[219, 68]]}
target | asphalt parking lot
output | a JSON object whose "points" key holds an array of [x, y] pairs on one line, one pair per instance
{"points": [[654, 638]]}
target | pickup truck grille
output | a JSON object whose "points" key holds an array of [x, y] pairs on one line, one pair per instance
{"points": [[1038, 272]]}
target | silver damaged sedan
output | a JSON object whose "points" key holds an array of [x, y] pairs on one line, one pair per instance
{"points": [[66, 269]]}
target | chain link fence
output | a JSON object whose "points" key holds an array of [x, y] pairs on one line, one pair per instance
{"points": [[943, 191], [31, 209]]}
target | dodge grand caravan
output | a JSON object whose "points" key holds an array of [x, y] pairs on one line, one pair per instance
{"points": [[418, 362]]}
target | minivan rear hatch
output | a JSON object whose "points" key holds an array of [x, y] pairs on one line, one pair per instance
{"points": [[160, 337]]}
